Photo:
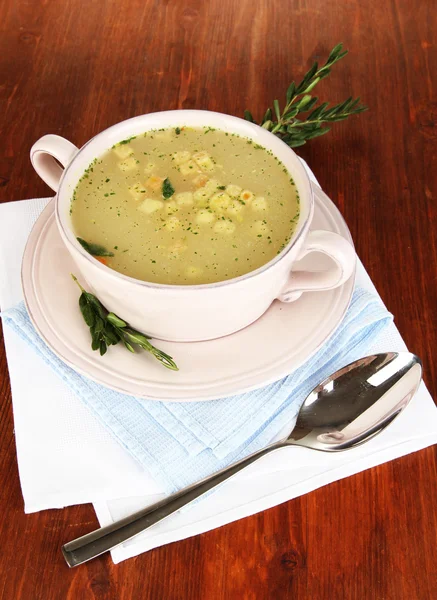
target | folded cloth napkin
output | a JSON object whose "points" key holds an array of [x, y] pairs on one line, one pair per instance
{"points": [[181, 443], [67, 456]]}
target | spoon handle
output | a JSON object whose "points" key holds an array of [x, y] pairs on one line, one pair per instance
{"points": [[101, 540]]}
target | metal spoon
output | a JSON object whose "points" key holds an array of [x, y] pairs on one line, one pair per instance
{"points": [[348, 408]]}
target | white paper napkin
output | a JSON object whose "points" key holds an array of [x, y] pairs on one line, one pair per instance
{"points": [[66, 457]]}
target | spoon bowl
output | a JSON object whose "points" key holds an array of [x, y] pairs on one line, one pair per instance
{"points": [[345, 410], [357, 402]]}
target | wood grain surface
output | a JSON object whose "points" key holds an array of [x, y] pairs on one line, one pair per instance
{"points": [[74, 68]]}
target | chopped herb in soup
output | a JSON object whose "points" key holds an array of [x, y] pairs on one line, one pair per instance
{"points": [[185, 206]]}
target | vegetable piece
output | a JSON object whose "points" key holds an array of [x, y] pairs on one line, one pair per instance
{"points": [[233, 190], [164, 136], [149, 168], [172, 223], [94, 249], [189, 168], [167, 189], [246, 196], [220, 201], [123, 150], [200, 180], [205, 192], [204, 161], [204, 216], [128, 165], [137, 191], [154, 183], [184, 198], [181, 157], [150, 205], [259, 204], [201, 195], [171, 207], [176, 249], [224, 227], [211, 186], [235, 210]]}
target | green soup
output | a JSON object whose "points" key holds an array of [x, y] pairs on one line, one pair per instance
{"points": [[186, 206]]}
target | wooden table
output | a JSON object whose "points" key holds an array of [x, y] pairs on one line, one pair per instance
{"points": [[74, 68]]}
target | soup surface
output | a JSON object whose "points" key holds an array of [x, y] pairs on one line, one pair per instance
{"points": [[186, 206]]}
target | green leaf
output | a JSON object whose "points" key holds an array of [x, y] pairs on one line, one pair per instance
{"points": [[248, 116], [307, 79], [136, 337], [103, 348], [96, 304], [310, 74], [343, 106], [291, 92], [88, 314], [94, 249], [277, 110], [111, 335], [311, 85], [267, 116], [335, 118], [112, 318], [335, 52], [164, 358], [129, 347], [83, 300], [296, 144], [360, 109], [317, 112], [95, 342], [267, 125], [317, 133], [329, 113], [167, 189], [99, 325], [309, 105], [303, 102], [290, 114], [296, 128], [324, 72]]}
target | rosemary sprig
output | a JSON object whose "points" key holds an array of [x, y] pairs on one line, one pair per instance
{"points": [[290, 125], [108, 330]]}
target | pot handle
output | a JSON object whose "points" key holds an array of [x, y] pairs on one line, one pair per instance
{"points": [[44, 154], [334, 246]]}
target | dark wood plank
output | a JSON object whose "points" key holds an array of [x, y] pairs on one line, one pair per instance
{"points": [[74, 68]]}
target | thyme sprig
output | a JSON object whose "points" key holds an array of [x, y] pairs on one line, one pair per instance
{"points": [[290, 124], [108, 330]]}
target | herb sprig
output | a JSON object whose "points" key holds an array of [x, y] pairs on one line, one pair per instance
{"points": [[108, 330], [290, 124]]}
